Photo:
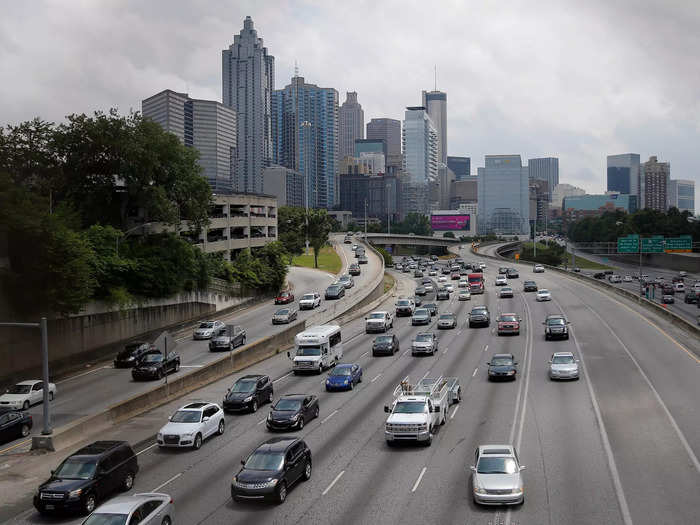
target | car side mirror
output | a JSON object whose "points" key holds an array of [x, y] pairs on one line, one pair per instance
{"points": [[488, 363], [522, 467], [170, 418], [243, 462], [205, 419], [472, 468], [53, 472], [386, 409], [289, 355], [550, 361]]}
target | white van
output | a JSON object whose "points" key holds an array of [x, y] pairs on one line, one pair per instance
{"points": [[317, 348]]}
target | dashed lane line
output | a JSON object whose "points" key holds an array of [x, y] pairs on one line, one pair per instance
{"points": [[145, 449], [84, 374], [285, 375], [420, 477], [169, 481], [452, 416], [475, 371], [329, 416], [335, 480], [375, 378]]}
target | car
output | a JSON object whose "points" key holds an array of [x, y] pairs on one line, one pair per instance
{"points": [[91, 474], [543, 295], [417, 273], [309, 301], [502, 366], [615, 278], [335, 291], [677, 279], [285, 315], [599, 275], [506, 291], [131, 354], [447, 320], [207, 329], [385, 345], [347, 240], [417, 300], [272, 469], [292, 411], [154, 365], [424, 343], [538, 268], [362, 259], [420, 290], [354, 247], [397, 267], [463, 283], [691, 297], [228, 338], [502, 270], [496, 478], [529, 286], [667, 299], [432, 308], [479, 316], [464, 295], [455, 276], [442, 279], [150, 508], [428, 287], [191, 424], [425, 281], [355, 270], [248, 393], [284, 297], [556, 327], [668, 289], [608, 272], [627, 279], [344, 377], [501, 280], [379, 321], [443, 294], [25, 394], [432, 273], [563, 365], [347, 281], [679, 287], [577, 269], [512, 273], [420, 316], [682, 273], [508, 324], [14, 424], [404, 307], [406, 269]]}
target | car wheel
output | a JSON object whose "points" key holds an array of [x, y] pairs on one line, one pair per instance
{"points": [[197, 442], [269, 397], [316, 412], [281, 492], [459, 395], [300, 425], [360, 379], [24, 430], [374, 354], [320, 368], [160, 373], [128, 482], [50, 396], [222, 427], [177, 366], [89, 503], [307, 470], [254, 406], [352, 385], [25, 405], [243, 342], [567, 337], [166, 521]]}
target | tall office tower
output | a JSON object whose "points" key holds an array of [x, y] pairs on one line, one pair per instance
{"points": [[681, 194], [547, 169], [206, 125], [305, 131], [420, 146], [460, 166], [248, 80], [436, 104], [352, 124], [388, 130], [653, 181], [561, 191], [504, 195], [623, 173]]}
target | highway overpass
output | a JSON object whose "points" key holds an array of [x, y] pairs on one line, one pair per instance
{"points": [[392, 239]]}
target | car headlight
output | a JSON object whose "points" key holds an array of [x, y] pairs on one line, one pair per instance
{"points": [[248, 399], [187, 436], [479, 490], [269, 416], [295, 417], [346, 381], [518, 490], [159, 437], [511, 372], [74, 494]]}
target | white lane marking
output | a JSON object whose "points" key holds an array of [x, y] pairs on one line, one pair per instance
{"points": [[475, 370], [454, 412], [364, 354], [83, 374], [425, 375], [527, 376], [329, 416], [486, 348], [147, 448], [420, 477], [377, 377], [169, 481], [404, 353], [260, 422], [285, 375], [191, 366], [519, 396], [329, 487]]}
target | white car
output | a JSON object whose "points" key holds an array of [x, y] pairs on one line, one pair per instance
{"points": [[501, 280], [449, 288], [543, 295], [208, 329], [432, 273], [309, 301], [615, 279], [442, 279], [627, 278], [191, 425], [464, 295], [25, 394], [428, 287], [538, 268], [679, 287], [463, 284]]}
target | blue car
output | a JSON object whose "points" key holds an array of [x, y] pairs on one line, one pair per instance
{"points": [[344, 377]]}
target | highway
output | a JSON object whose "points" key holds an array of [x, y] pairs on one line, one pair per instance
{"points": [[101, 385], [619, 446]]}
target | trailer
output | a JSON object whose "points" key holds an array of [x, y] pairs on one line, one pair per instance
{"points": [[454, 390]]}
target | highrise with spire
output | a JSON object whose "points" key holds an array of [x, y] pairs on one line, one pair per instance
{"points": [[351, 125]]}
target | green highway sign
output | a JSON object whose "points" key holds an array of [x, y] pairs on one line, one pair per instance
{"points": [[629, 244], [653, 244], [684, 243]]}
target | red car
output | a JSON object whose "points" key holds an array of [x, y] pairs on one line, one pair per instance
{"points": [[455, 276], [508, 324], [284, 298]]}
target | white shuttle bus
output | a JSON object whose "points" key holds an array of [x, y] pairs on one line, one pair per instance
{"points": [[317, 348]]}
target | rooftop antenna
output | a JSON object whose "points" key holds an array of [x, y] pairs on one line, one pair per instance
{"points": [[296, 69], [435, 76]]}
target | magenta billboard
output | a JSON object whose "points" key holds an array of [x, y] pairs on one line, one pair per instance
{"points": [[449, 222]]}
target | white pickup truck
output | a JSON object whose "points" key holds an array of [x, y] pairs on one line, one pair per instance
{"points": [[379, 321], [416, 412]]}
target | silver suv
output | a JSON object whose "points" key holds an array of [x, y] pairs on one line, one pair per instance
{"points": [[497, 479]]}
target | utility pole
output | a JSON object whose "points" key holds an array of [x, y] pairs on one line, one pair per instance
{"points": [[365, 220]]}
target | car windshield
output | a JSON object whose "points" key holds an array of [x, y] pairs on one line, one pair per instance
{"points": [[288, 404], [265, 461], [562, 360], [556, 320], [244, 385], [474, 279], [186, 416], [152, 358], [383, 339], [333, 288], [424, 338], [496, 466], [309, 350], [106, 519], [501, 361], [421, 312], [76, 469], [447, 316], [20, 389], [308, 297], [206, 325], [283, 311], [343, 371], [403, 302], [543, 292], [409, 407], [506, 290], [284, 294], [508, 319], [376, 316]]}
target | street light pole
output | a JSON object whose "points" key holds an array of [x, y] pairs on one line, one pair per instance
{"points": [[365, 220]]}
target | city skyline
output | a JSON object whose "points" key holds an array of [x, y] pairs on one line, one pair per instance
{"points": [[585, 111]]}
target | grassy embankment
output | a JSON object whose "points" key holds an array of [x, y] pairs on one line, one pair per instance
{"points": [[328, 260]]}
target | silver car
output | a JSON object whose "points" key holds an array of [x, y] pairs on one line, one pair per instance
{"points": [[284, 315], [563, 365], [150, 508], [424, 343], [208, 329], [447, 320], [497, 479]]}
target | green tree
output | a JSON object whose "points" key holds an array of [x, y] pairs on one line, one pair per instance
{"points": [[291, 225], [319, 226], [415, 223], [449, 235]]}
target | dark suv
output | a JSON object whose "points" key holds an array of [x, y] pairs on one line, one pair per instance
{"points": [[90, 475], [248, 393]]}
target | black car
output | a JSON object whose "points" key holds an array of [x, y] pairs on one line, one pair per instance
{"points": [[502, 367], [292, 411], [14, 424], [432, 308], [154, 365], [417, 300], [272, 469], [479, 316], [362, 259], [354, 269], [556, 327], [335, 291], [90, 475], [248, 393], [667, 299], [512, 273], [442, 294], [385, 344], [228, 338], [690, 297], [529, 286], [599, 275], [131, 354]]}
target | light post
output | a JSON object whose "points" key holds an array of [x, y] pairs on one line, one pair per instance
{"points": [[365, 220], [639, 237]]}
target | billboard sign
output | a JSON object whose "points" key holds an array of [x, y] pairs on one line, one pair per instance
{"points": [[449, 222]]}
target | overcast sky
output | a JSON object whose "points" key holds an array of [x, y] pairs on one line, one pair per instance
{"points": [[574, 79]]}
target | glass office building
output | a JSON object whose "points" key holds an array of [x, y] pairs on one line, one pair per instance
{"points": [[503, 196]]}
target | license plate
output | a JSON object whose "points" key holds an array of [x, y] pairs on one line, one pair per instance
{"points": [[50, 507]]}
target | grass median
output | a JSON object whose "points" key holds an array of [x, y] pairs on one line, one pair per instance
{"points": [[328, 260], [586, 264]]}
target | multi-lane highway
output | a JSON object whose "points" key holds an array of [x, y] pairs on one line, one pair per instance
{"points": [[101, 385], [618, 446]]}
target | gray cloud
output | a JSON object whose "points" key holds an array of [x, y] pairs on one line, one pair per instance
{"points": [[579, 80]]}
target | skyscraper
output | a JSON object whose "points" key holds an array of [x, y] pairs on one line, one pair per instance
{"points": [[504, 194], [623, 173], [206, 125], [460, 166], [561, 191], [420, 145], [681, 195], [654, 177], [248, 80], [435, 103], [388, 130], [305, 124], [546, 168], [351, 124]]}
